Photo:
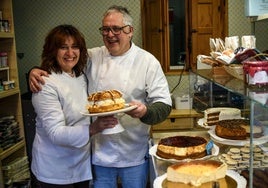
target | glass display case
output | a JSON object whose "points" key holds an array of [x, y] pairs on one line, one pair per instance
{"points": [[253, 102]]}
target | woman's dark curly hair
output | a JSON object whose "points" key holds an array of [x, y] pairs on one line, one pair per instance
{"points": [[54, 40]]}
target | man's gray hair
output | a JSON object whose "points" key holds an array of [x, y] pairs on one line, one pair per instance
{"points": [[127, 19]]}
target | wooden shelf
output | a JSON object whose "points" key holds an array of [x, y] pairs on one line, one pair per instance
{"points": [[6, 35], [6, 153], [10, 92], [10, 100]]}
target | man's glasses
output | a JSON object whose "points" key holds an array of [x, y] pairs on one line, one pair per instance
{"points": [[115, 30]]}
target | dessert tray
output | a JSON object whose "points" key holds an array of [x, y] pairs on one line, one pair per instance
{"points": [[126, 109], [232, 179], [153, 149], [257, 141]]}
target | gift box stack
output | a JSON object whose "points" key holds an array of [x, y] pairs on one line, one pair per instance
{"points": [[16, 171], [9, 132], [244, 61]]}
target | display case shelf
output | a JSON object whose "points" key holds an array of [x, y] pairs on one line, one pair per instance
{"points": [[256, 94], [256, 104]]}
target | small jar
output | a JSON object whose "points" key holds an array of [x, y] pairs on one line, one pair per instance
{"points": [[6, 26], [6, 85], [3, 59], [11, 84]]}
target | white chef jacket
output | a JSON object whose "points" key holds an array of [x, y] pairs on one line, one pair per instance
{"points": [[61, 148], [139, 76]]}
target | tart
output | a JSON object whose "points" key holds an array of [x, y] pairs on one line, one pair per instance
{"points": [[182, 147]]}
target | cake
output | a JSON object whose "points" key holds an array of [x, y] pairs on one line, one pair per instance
{"points": [[105, 101], [196, 172], [213, 115], [257, 131], [182, 147], [259, 180], [231, 129], [237, 129]]}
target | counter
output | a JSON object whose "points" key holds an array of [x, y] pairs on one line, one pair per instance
{"points": [[177, 120], [159, 167]]}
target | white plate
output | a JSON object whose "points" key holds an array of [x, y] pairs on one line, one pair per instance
{"points": [[153, 149], [240, 180], [118, 128], [256, 141], [201, 122], [126, 109]]}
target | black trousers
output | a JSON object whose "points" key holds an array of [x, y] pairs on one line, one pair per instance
{"points": [[84, 184]]}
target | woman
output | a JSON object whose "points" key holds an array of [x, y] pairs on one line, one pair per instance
{"points": [[61, 148]]}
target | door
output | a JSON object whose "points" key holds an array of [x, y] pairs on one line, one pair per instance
{"points": [[208, 20], [204, 19], [155, 30]]}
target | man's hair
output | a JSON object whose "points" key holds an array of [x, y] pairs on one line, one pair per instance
{"points": [[127, 19]]}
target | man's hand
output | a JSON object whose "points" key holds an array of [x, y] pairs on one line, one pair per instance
{"points": [[138, 112], [35, 79]]}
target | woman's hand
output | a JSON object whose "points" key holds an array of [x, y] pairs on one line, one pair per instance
{"points": [[35, 79], [102, 123]]}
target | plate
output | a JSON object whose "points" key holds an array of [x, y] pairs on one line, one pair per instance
{"points": [[153, 149], [256, 141], [232, 179], [201, 122], [126, 109]]}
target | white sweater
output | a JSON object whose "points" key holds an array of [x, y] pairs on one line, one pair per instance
{"points": [[61, 148]]}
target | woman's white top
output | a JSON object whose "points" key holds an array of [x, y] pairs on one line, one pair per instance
{"points": [[61, 148]]}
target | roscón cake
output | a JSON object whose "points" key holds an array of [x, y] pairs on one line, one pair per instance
{"points": [[237, 129], [196, 172], [213, 115], [182, 147], [105, 101], [232, 129]]}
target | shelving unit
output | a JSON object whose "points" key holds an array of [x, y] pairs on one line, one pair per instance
{"points": [[10, 100], [256, 108]]}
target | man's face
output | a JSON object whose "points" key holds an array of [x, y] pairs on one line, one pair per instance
{"points": [[117, 44]]}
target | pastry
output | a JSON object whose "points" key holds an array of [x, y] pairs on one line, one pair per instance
{"points": [[105, 101], [196, 172], [257, 131], [235, 151], [231, 129], [213, 115], [181, 147]]}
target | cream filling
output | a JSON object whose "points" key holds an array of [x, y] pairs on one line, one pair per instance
{"points": [[183, 151], [106, 102]]}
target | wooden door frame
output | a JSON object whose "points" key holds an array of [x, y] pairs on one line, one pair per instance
{"points": [[166, 39], [164, 29]]}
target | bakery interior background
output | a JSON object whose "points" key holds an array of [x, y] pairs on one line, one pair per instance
{"points": [[34, 18]]}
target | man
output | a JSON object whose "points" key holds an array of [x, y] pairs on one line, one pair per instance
{"points": [[122, 65]]}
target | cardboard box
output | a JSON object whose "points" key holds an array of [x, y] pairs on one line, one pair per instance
{"points": [[256, 7], [184, 102]]}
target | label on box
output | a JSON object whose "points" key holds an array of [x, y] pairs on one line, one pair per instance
{"points": [[184, 102]]}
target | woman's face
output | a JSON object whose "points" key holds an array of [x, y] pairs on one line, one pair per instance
{"points": [[68, 55]]}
